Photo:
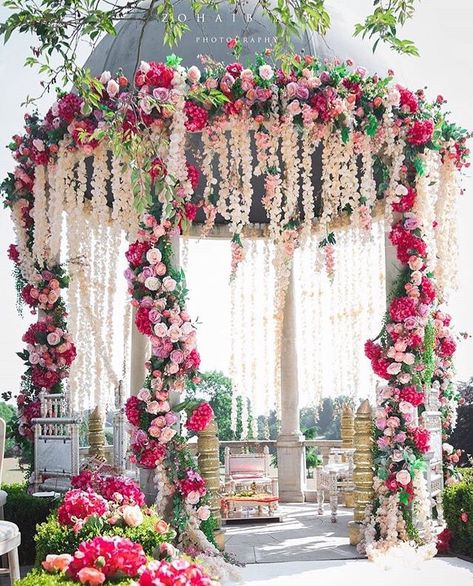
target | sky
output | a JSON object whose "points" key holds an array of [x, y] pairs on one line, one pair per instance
{"points": [[443, 32]]}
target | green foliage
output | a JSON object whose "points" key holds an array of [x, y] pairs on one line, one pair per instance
{"points": [[216, 388], [54, 538], [458, 499], [59, 27], [39, 578], [26, 511], [466, 474], [462, 435]]}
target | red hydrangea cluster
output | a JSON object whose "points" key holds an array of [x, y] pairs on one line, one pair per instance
{"points": [[116, 489], [401, 308], [79, 505], [406, 202], [154, 74], [200, 417], [177, 572], [64, 110], [421, 438], [136, 252], [193, 175], [27, 410], [133, 410], [13, 253], [428, 293], [379, 364], [111, 556], [420, 133], [197, 116], [322, 104], [406, 243], [192, 483], [447, 347], [152, 454], [411, 395], [408, 101]]}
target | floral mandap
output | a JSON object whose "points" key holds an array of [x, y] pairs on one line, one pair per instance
{"points": [[380, 145]]}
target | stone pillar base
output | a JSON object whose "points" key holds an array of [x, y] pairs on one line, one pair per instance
{"points": [[291, 468], [354, 532], [219, 536]]}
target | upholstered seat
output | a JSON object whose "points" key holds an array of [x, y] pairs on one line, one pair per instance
{"points": [[10, 539]]}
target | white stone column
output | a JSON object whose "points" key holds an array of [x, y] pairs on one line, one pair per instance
{"points": [[290, 443], [139, 354]]}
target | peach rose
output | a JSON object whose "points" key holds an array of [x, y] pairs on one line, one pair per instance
{"points": [[161, 526], [91, 576], [58, 563]]}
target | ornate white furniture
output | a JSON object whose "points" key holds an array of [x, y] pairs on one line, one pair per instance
{"points": [[10, 539], [3, 494], [248, 472], [56, 444], [336, 478], [431, 419]]}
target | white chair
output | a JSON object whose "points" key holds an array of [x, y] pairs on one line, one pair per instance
{"points": [[10, 539], [248, 471], [56, 444], [336, 478], [3, 494]]}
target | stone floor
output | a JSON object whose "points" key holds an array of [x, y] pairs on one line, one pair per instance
{"points": [[303, 535], [436, 572]]}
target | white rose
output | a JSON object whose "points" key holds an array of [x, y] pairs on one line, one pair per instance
{"points": [[132, 516], [152, 283], [144, 67], [403, 477], [203, 513], [266, 72], [105, 77]]}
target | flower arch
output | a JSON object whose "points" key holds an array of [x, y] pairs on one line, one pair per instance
{"points": [[378, 142]]}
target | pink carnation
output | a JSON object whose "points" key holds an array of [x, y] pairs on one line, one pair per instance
{"points": [[80, 505], [182, 572]]}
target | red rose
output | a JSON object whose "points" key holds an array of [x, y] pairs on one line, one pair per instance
{"points": [[428, 291], [133, 410], [421, 438], [447, 347], [234, 69], [142, 321]]}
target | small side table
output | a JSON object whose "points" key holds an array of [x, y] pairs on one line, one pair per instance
{"points": [[261, 502]]}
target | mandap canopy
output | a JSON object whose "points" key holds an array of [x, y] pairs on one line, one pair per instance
{"points": [[327, 140]]}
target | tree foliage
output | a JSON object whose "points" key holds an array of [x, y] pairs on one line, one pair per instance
{"points": [[462, 435], [60, 25]]}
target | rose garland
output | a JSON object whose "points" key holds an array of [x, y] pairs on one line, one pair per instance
{"points": [[339, 106]]}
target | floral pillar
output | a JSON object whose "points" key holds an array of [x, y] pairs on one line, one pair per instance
{"points": [[290, 444], [139, 353]]}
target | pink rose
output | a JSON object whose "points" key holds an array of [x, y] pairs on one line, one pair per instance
{"points": [[177, 356], [203, 512], [394, 368], [169, 284], [167, 434], [403, 477], [160, 330], [159, 421], [152, 283], [144, 395], [153, 407], [153, 256], [160, 269], [193, 497], [112, 88], [193, 74], [154, 431], [53, 338]]}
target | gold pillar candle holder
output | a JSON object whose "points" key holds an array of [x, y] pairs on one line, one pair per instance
{"points": [[348, 433], [363, 469], [209, 466], [96, 435]]}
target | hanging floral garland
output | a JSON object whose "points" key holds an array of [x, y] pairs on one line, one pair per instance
{"points": [[146, 124]]}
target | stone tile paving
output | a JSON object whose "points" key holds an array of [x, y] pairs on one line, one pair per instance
{"points": [[436, 572], [303, 535]]}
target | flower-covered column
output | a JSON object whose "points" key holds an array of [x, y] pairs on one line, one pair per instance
{"points": [[291, 456], [139, 354]]}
